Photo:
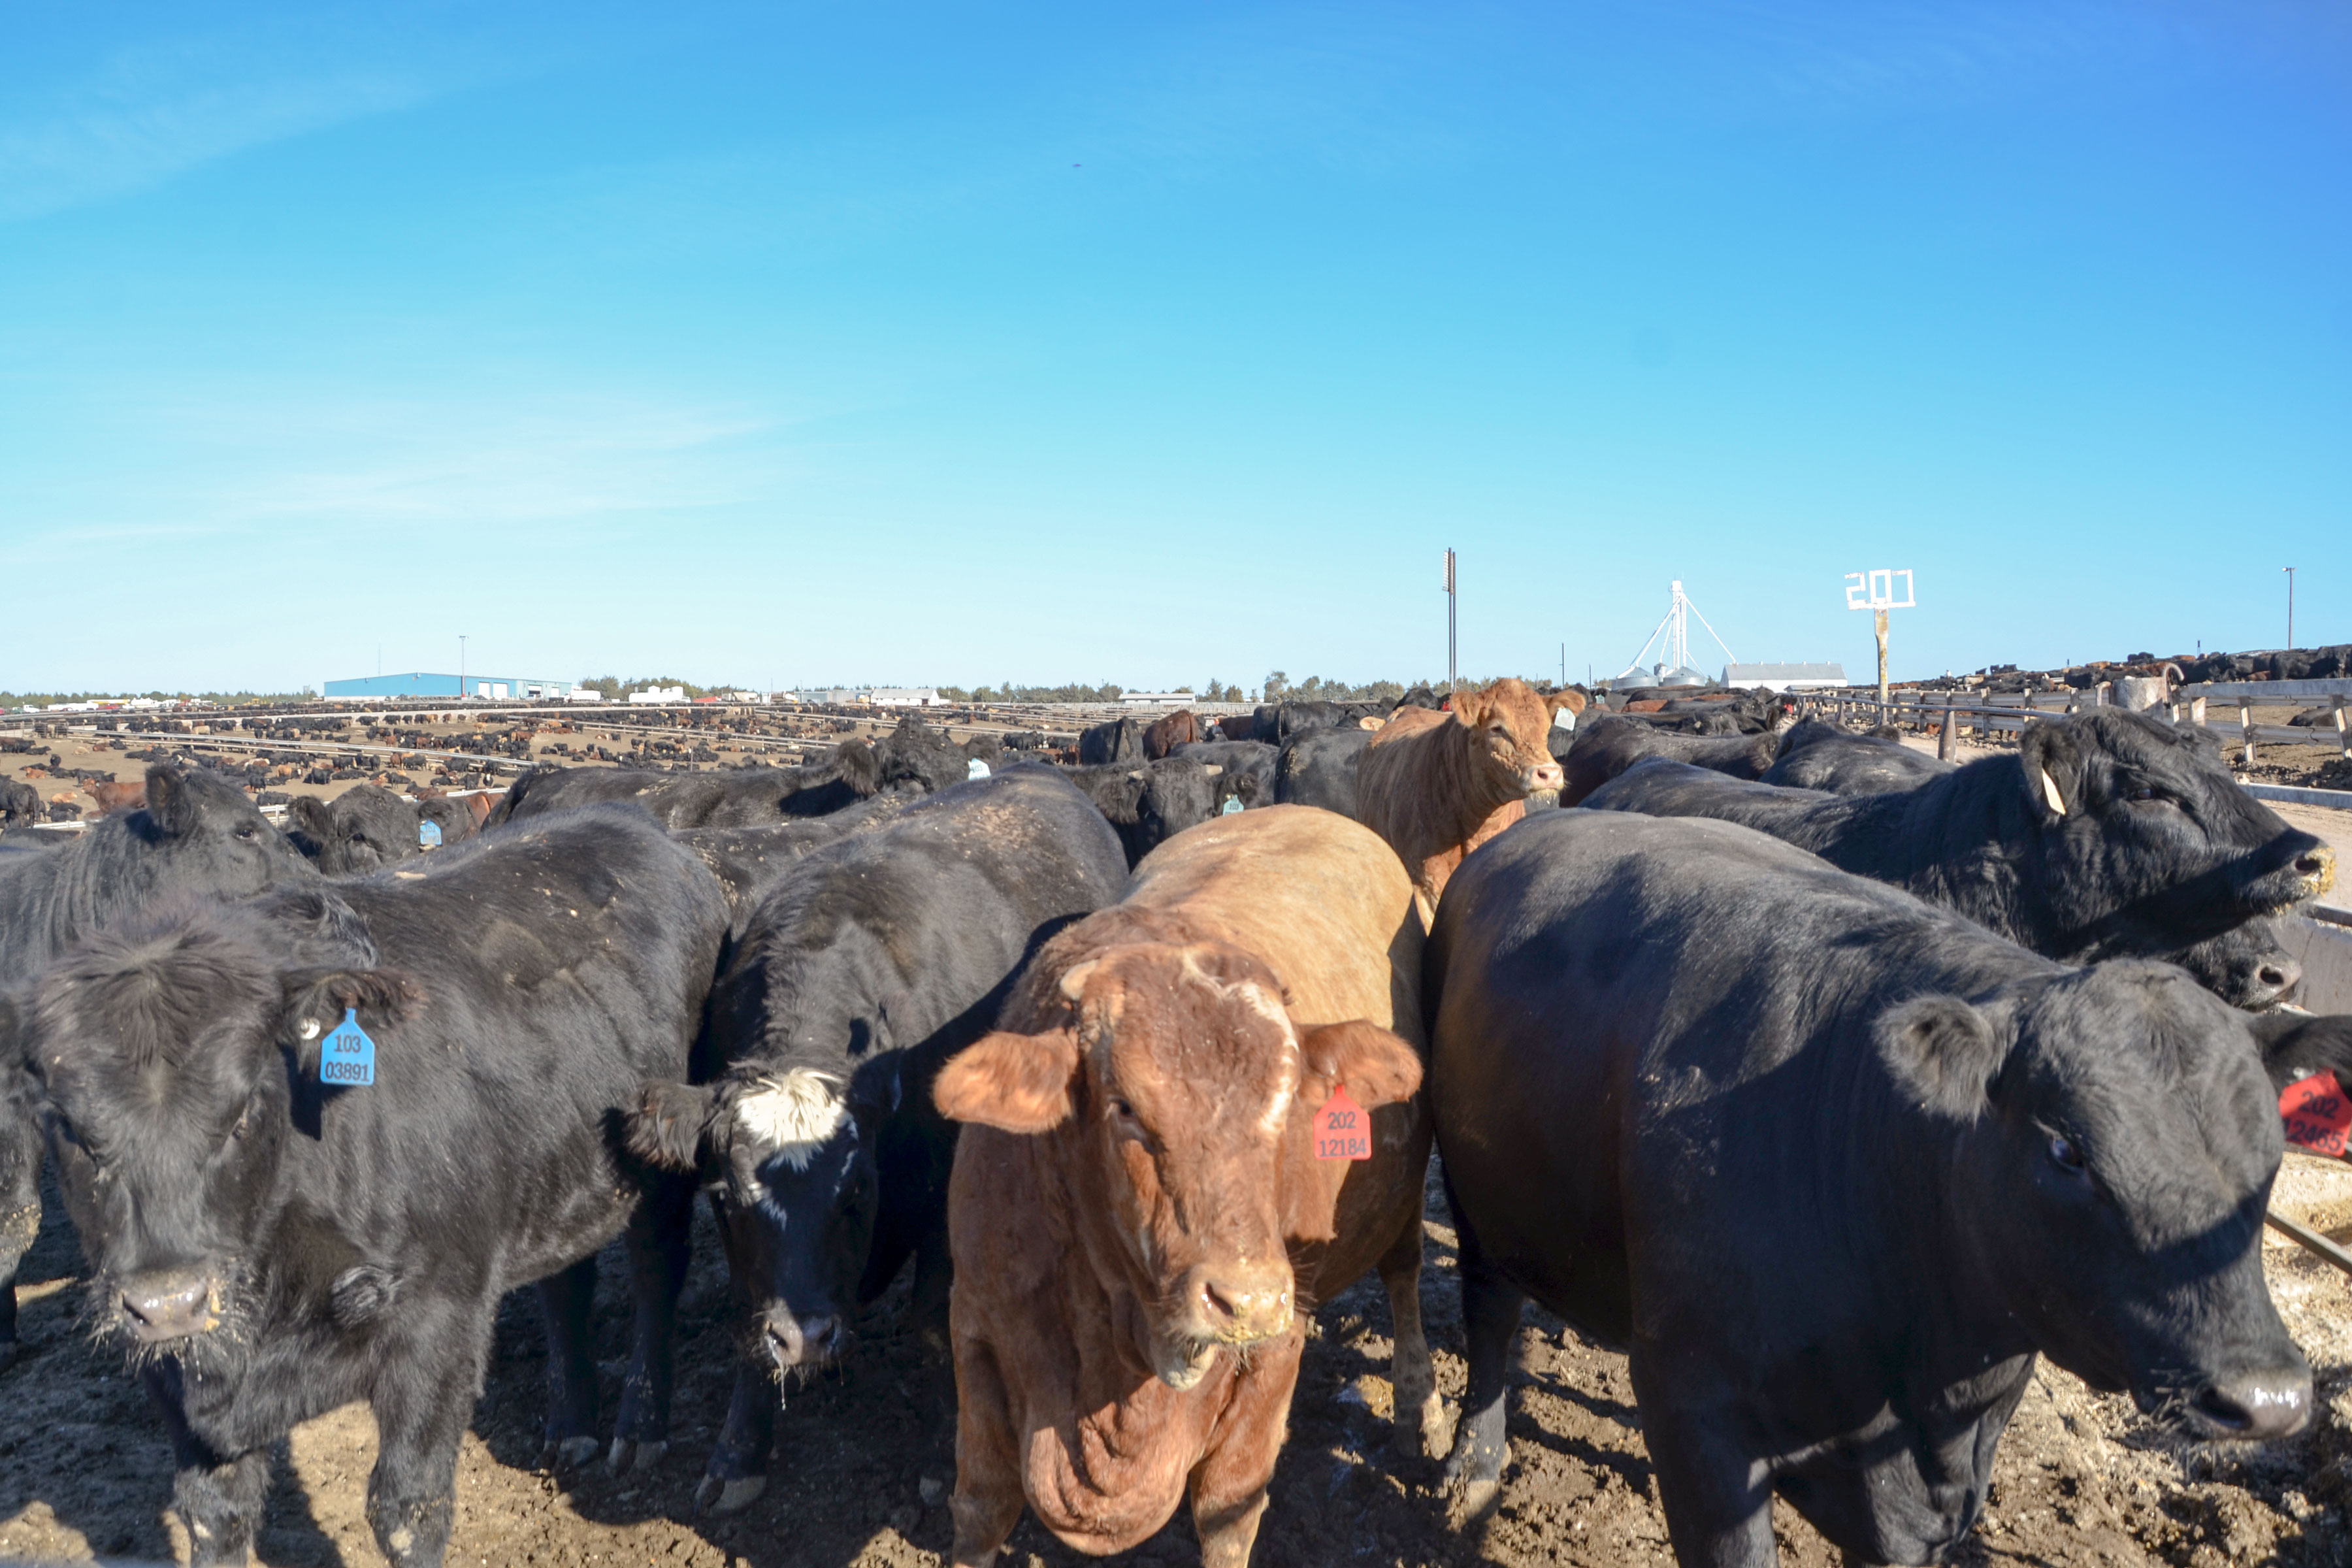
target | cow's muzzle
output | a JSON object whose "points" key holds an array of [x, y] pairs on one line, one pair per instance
{"points": [[804, 1344], [1542, 776], [2318, 870], [171, 1304], [2253, 1406]]}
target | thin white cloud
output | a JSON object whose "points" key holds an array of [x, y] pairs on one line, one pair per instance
{"points": [[147, 115]]}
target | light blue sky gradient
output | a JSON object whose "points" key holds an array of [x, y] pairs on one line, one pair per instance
{"points": [[959, 343]]}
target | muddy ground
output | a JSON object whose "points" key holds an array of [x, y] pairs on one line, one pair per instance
{"points": [[864, 1459]]}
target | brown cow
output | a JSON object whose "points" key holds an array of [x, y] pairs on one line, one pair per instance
{"points": [[1179, 728], [1136, 1208], [113, 797], [1437, 785]]}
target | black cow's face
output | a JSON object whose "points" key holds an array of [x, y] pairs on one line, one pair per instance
{"points": [[2148, 844], [164, 1099], [790, 1162], [213, 836], [2118, 1145], [2248, 967]]}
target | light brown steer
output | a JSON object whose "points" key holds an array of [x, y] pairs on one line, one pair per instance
{"points": [[1437, 785], [1136, 1213]]}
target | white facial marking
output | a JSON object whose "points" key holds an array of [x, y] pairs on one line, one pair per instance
{"points": [[310, 1028], [794, 1114]]}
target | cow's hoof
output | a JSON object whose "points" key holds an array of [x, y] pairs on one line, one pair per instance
{"points": [[1478, 1479], [570, 1452], [1478, 1499], [715, 1495], [634, 1458], [1429, 1434]]}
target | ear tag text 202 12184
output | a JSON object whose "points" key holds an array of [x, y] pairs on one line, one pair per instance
{"points": [[347, 1057], [2318, 1115], [1343, 1130], [428, 835]]}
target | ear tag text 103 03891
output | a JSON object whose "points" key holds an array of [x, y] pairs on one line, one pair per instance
{"points": [[1343, 1129], [347, 1057]]}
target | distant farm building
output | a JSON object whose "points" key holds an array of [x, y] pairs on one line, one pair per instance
{"points": [[426, 683], [1784, 677]]}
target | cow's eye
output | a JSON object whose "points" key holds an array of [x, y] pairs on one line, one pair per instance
{"points": [[2065, 1154], [2143, 793], [248, 834]]}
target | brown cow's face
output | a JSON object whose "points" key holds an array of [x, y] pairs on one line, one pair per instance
{"points": [[1513, 726]]}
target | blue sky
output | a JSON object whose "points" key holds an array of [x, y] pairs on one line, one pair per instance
{"points": [[792, 344]]}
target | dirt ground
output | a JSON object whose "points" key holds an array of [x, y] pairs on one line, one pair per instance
{"points": [[864, 1458]]}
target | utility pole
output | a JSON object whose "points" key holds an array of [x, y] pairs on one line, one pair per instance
{"points": [[2290, 608], [1453, 670], [461, 667]]}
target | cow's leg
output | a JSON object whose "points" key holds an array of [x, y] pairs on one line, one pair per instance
{"points": [[425, 1390], [564, 1302], [738, 1471], [1490, 1322], [218, 1497], [927, 1304], [987, 1499], [1418, 1420], [659, 1238], [1717, 1500]]}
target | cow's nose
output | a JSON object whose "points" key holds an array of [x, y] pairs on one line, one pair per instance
{"points": [[2279, 974], [2256, 1405], [804, 1342], [2319, 866], [169, 1305], [1241, 1304], [1547, 775]]}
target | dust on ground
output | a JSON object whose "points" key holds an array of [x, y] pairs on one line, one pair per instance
{"points": [[864, 1458]]}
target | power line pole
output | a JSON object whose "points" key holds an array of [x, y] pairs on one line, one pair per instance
{"points": [[461, 664], [1453, 670], [2290, 608]]}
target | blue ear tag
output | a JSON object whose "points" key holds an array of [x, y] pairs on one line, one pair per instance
{"points": [[975, 769], [1233, 803], [347, 1057], [428, 834]]}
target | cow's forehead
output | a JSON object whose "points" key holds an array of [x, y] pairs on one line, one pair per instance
{"points": [[1180, 1032]]}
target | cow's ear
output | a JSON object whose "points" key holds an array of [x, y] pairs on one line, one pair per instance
{"points": [[2051, 757], [316, 999], [1015, 1083], [2294, 1045], [1943, 1052], [1379, 1068], [168, 806], [860, 769], [310, 814], [671, 1126]]}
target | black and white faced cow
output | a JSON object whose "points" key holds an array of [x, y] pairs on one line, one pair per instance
{"points": [[2103, 836], [868, 963], [270, 1236], [197, 837], [1834, 1167]]}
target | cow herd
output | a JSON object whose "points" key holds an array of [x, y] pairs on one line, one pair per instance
{"points": [[1834, 1085]]}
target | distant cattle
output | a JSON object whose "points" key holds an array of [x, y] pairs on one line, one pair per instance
{"points": [[1137, 1211], [198, 838], [1318, 769], [1178, 728], [1609, 744], [1116, 741], [1148, 803], [1237, 727], [1834, 1167], [1438, 785], [272, 1232], [1816, 754], [2102, 835], [865, 965], [368, 827], [734, 798], [20, 804], [112, 797]]}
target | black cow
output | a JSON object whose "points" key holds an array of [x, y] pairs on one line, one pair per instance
{"points": [[1248, 770], [2103, 835], [1816, 754], [20, 804], [268, 1242], [368, 827], [197, 837], [737, 797], [1283, 722], [748, 860], [1148, 803], [1318, 768], [868, 963], [1598, 750], [1113, 740], [1834, 1167]]}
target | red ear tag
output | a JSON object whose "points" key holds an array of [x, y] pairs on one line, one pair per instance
{"points": [[2318, 1114], [1343, 1129]]}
